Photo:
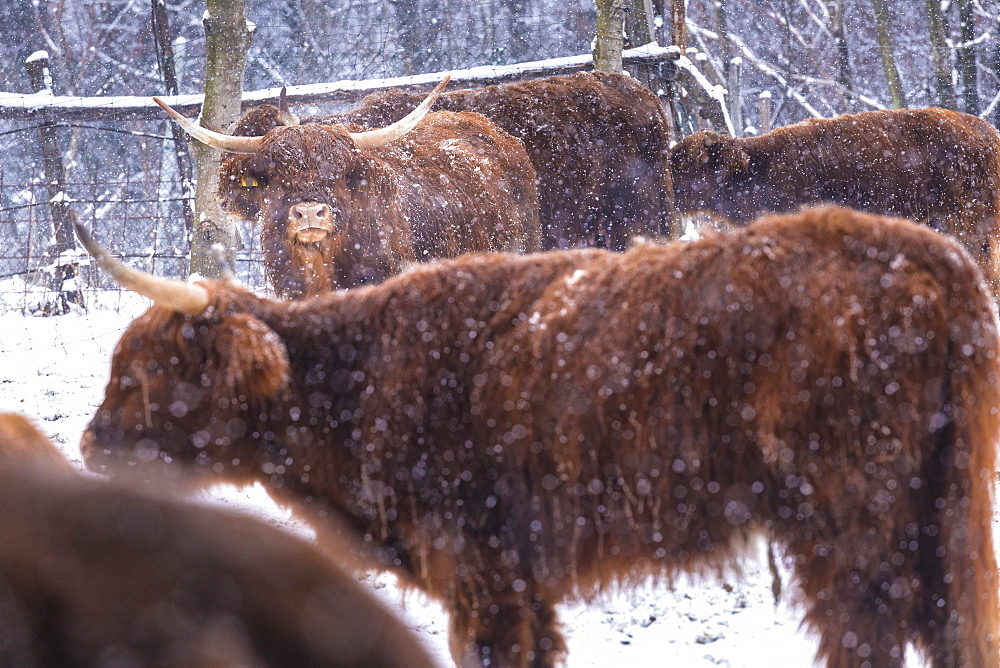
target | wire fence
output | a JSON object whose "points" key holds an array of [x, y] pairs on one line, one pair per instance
{"points": [[121, 177], [126, 188], [136, 215]]}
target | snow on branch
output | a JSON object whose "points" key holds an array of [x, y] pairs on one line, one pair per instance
{"points": [[784, 78], [46, 107], [717, 93]]}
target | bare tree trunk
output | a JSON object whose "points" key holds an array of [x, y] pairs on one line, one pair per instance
{"points": [[52, 161], [995, 58], [722, 23], [678, 23], [55, 271], [227, 40], [661, 27], [967, 57], [163, 39], [835, 8], [939, 53], [639, 31], [639, 23], [610, 23], [888, 55]]}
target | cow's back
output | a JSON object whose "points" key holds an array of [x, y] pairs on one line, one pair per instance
{"points": [[934, 166], [598, 142], [464, 162]]}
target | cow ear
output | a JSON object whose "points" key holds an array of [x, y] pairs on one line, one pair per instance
{"points": [[253, 359]]}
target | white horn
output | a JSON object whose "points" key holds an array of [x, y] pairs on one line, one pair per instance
{"points": [[167, 292], [382, 136], [285, 116], [218, 140]]}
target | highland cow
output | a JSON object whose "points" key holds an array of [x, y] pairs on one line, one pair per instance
{"points": [[598, 141], [513, 431], [93, 573], [340, 206], [935, 166]]}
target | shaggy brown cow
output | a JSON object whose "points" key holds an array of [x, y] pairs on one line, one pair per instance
{"points": [[598, 141], [515, 431], [22, 440], [92, 574], [931, 165], [340, 206]]}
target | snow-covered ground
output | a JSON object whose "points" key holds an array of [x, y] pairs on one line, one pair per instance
{"points": [[55, 369]]}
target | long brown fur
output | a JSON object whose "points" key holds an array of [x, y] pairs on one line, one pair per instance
{"points": [[94, 573], [511, 432], [935, 166], [598, 141], [456, 183]]}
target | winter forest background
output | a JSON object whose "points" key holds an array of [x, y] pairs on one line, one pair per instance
{"points": [[813, 57]]}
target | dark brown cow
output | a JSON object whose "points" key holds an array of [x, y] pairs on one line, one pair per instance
{"points": [[512, 431], [340, 206], [598, 141], [931, 165], [92, 573]]}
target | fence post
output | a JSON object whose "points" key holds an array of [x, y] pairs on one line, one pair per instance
{"points": [[765, 111], [58, 270], [735, 85]]}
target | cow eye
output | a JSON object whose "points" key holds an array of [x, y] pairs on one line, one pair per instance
{"points": [[250, 181], [357, 182]]}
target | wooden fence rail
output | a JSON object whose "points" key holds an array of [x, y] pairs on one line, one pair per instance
{"points": [[45, 107]]}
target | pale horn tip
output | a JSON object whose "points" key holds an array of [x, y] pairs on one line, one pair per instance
{"points": [[169, 293]]}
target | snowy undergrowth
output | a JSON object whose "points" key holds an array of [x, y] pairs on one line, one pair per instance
{"points": [[55, 370]]}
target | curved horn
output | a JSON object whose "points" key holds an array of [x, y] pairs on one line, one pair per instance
{"points": [[382, 136], [167, 292], [285, 116], [218, 140]]}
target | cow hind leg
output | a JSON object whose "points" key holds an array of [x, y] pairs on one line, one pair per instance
{"points": [[516, 631], [957, 622], [861, 620]]}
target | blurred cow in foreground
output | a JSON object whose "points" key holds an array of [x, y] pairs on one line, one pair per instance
{"points": [[514, 431], [340, 205], [936, 166], [22, 441], [599, 143], [96, 574]]}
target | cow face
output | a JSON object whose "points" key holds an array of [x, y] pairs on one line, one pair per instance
{"points": [[185, 390], [301, 184], [238, 191], [703, 166]]}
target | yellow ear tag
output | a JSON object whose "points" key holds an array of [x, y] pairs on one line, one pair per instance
{"points": [[249, 181]]}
